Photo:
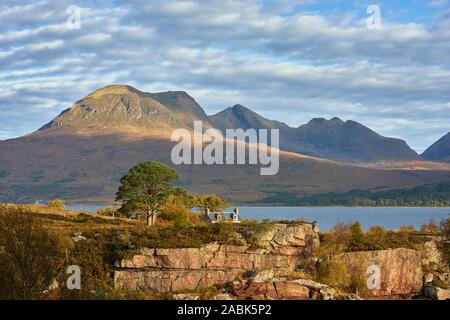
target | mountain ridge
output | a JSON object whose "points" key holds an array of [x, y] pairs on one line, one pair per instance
{"points": [[119, 106], [332, 139], [83, 153]]}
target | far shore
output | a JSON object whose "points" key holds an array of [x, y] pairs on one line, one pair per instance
{"points": [[111, 204]]}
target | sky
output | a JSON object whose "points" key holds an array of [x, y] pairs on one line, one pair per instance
{"points": [[287, 60]]}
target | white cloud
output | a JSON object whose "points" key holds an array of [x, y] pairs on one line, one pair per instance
{"points": [[289, 67]]}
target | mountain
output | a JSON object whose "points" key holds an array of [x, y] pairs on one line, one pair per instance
{"points": [[332, 139], [439, 151], [124, 107], [82, 154], [350, 141]]}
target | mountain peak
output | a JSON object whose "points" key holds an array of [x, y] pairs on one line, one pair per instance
{"points": [[239, 107], [336, 120], [242, 117], [317, 120], [348, 141], [114, 89], [116, 106], [322, 121]]}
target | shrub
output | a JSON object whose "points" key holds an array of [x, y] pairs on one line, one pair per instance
{"points": [[29, 255], [445, 228], [110, 212], [357, 238], [95, 258], [211, 201], [430, 228], [175, 210], [333, 273], [407, 229], [376, 237], [57, 204]]}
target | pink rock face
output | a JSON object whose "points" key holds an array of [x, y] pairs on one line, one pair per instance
{"points": [[225, 257], [276, 290], [168, 270], [187, 269], [400, 270], [172, 280]]}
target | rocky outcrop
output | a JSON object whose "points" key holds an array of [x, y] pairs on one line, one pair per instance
{"points": [[436, 293], [432, 258], [284, 289], [289, 239], [277, 289], [279, 249], [400, 273], [436, 281], [400, 270], [264, 269]]}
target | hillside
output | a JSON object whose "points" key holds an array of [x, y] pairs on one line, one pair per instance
{"points": [[439, 151], [432, 195], [82, 154]]}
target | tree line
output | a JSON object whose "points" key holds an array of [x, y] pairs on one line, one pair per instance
{"points": [[430, 195]]}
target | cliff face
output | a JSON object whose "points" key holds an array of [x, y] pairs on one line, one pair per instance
{"points": [[264, 269], [279, 249], [400, 270]]}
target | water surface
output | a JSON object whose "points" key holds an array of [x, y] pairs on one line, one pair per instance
{"points": [[327, 217]]}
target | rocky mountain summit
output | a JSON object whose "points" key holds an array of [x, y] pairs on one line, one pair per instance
{"points": [[333, 139], [119, 106]]}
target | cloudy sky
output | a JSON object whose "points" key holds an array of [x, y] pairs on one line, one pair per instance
{"points": [[287, 60]]}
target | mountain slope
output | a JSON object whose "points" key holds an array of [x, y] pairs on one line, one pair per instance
{"points": [[83, 153], [87, 168], [440, 150], [331, 139]]}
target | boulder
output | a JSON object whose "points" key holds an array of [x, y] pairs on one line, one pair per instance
{"points": [[276, 289], [185, 296], [263, 275], [428, 278], [436, 293], [400, 270], [78, 238], [289, 238], [432, 258], [284, 289]]}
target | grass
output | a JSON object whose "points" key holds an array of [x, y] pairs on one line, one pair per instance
{"points": [[126, 235], [64, 221]]}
